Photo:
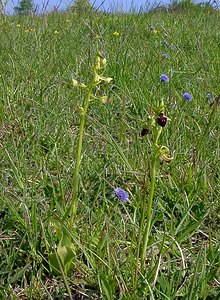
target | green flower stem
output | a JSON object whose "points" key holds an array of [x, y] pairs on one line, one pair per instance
{"points": [[140, 232], [147, 227], [149, 212], [78, 158]]}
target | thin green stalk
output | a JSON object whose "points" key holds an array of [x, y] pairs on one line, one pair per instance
{"points": [[149, 211], [146, 229], [150, 199], [140, 234], [78, 158]]}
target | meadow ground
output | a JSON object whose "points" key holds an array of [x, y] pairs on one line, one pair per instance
{"points": [[162, 242]]}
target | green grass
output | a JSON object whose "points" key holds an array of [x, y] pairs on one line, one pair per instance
{"points": [[39, 125]]}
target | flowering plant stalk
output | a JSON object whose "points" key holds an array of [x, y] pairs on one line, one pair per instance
{"points": [[61, 260], [83, 112], [147, 227], [155, 124], [90, 89]]}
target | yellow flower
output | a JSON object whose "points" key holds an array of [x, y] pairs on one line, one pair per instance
{"points": [[56, 32], [116, 33], [103, 99], [164, 154], [27, 30], [18, 25], [107, 79], [75, 83], [99, 78], [154, 31]]}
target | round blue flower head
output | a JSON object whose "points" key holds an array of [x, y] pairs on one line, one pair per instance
{"points": [[164, 55], [170, 47], [152, 28], [164, 78], [165, 42], [209, 96], [187, 96], [121, 194]]}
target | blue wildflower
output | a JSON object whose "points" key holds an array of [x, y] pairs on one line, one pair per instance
{"points": [[152, 28], [164, 55], [121, 194], [209, 96], [170, 47], [165, 42], [164, 78], [187, 96]]}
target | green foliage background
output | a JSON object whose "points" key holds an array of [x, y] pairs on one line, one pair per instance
{"points": [[39, 126]]}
